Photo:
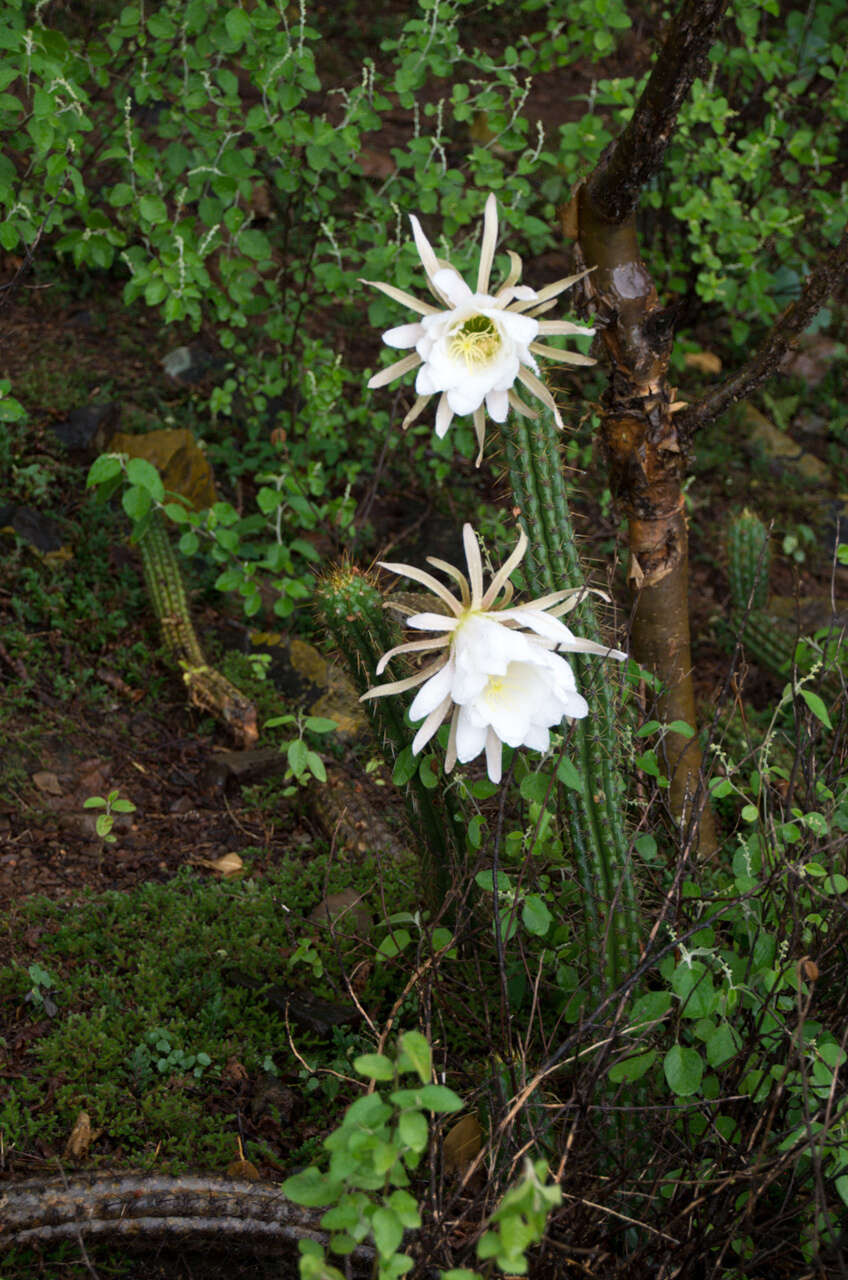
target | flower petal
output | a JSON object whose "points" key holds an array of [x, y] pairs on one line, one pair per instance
{"points": [[475, 564], [563, 328], [405, 335], [416, 411], [432, 622], [494, 764], [534, 384], [444, 416], [487, 251], [502, 575], [396, 370], [411, 646], [452, 285], [497, 405], [430, 725], [480, 432], [406, 299], [556, 353], [425, 249], [558, 286], [433, 693], [427, 580], [520, 407]]}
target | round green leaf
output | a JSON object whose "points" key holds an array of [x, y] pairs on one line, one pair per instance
{"points": [[684, 1070]]}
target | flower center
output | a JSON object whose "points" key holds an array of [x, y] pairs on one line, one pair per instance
{"points": [[476, 341]]}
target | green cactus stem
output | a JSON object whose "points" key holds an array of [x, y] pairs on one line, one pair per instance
{"points": [[594, 816], [351, 606], [749, 560], [207, 688]]}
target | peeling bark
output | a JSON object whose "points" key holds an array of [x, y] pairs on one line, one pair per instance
{"points": [[151, 1211], [646, 452]]}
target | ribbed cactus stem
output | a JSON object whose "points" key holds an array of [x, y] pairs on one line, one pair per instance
{"points": [[165, 587], [595, 816], [749, 560], [351, 606], [207, 688]]}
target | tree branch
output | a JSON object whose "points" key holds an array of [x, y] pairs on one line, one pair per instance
{"points": [[819, 284], [637, 155]]}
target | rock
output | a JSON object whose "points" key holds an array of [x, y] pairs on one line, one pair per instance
{"points": [[86, 430], [189, 364], [346, 910], [180, 461], [40, 531]]}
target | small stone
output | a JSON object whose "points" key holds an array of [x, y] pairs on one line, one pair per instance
{"points": [[346, 909]]}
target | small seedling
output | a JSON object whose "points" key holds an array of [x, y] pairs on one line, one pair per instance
{"points": [[42, 984], [304, 763], [111, 804]]}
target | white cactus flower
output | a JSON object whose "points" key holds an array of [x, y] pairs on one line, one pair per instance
{"points": [[473, 348], [499, 678]]}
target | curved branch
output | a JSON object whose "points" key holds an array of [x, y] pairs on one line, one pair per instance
{"points": [[819, 284], [637, 155]]}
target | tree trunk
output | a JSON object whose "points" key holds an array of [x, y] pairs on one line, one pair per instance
{"points": [[646, 455]]}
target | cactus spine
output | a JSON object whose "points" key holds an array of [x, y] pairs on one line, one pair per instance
{"points": [[594, 816]]}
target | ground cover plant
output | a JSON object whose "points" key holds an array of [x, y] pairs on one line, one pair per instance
{"points": [[532, 960]]}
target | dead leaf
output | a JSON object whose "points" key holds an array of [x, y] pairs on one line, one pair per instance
{"points": [[703, 361], [461, 1144], [233, 1071], [228, 865], [48, 782], [81, 1137], [241, 1167]]}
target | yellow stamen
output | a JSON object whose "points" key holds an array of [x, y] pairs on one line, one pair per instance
{"points": [[477, 341]]}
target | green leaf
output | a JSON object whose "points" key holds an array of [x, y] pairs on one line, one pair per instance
{"points": [[238, 25], [405, 767], [320, 724], [433, 1097], [723, 1044], [417, 1050], [684, 1070], [406, 1208], [535, 915], [144, 474], [484, 880], [680, 726], [394, 943], [388, 1231], [311, 1188], [297, 756], [374, 1065], [568, 775], [103, 469], [817, 707], [413, 1130], [632, 1068], [153, 209], [314, 763], [136, 502]]}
